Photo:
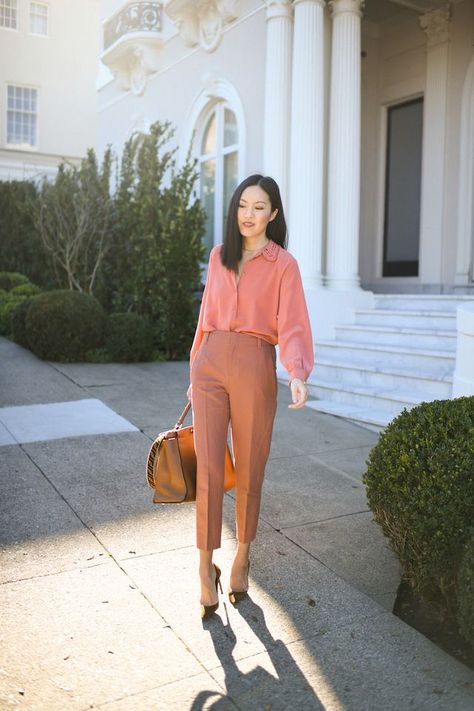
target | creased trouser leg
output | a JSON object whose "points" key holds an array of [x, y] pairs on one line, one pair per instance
{"points": [[210, 403], [232, 377], [252, 411]]}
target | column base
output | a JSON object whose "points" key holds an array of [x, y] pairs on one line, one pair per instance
{"points": [[343, 283]]}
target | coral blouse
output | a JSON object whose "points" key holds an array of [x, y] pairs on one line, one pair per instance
{"points": [[267, 301]]}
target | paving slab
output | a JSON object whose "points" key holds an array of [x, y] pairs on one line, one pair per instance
{"points": [[33, 423], [84, 637], [352, 461], [299, 595], [357, 556], [25, 379], [103, 480], [302, 489], [151, 395], [80, 528], [305, 431], [368, 665], [200, 693], [6, 437], [39, 532]]}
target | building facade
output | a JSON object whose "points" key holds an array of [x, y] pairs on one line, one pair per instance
{"points": [[364, 114], [48, 73]]}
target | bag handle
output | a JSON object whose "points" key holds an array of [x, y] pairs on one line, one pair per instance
{"points": [[182, 416]]}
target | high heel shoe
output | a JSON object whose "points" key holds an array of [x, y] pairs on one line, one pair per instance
{"points": [[207, 610], [236, 596]]}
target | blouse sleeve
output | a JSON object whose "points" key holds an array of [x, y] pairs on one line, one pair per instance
{"points": [[199, 332], [295, 338]]}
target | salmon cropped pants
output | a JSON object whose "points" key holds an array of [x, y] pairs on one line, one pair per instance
{"points": [[233, 378]]}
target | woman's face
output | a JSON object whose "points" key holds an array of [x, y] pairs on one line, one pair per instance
{"points": [[254, 211]]}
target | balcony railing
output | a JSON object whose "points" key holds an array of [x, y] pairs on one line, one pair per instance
{"points": [[134, 17]]}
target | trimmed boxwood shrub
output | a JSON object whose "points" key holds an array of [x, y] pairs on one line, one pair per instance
{"points": [[420, 487], [465, 614], [9, 280], [9, 300], [128, 337], [63, 325]]}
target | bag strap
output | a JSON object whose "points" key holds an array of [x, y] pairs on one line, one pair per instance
{"points": [[182, 416]]}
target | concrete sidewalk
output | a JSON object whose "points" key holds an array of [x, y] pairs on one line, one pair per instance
{"points": [[100, 596]]}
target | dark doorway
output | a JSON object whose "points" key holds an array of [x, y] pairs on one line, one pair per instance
{"points": [[403, 189]]}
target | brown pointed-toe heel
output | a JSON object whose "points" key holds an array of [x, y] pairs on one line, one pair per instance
{"points": [[236, 596], [208, 610]]}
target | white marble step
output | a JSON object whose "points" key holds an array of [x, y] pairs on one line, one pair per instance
{"points": [[408, 318], [369, 418], [381, 356], [438, 339], [390, 401], [425, 302], [435, 384]]}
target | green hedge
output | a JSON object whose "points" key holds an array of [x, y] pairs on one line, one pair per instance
{"points": [[128, 338], [18, 322], [420, 487], [19, 290], [465, 614], [21, 249], [10, 280], [63, 325]]}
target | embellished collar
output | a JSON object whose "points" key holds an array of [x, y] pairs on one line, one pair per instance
{"points": [[270, 251]]}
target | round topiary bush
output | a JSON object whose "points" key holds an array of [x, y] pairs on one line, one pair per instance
{"points": [[9, 300], [420, 487], [128, 338], [25, 290], [465, 615], [9, 280], [63, 325]]}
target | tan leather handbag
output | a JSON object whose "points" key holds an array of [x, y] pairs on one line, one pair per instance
{"points": [[171, 465]]}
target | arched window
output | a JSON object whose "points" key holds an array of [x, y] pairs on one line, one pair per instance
{"points": [[218, 163]]}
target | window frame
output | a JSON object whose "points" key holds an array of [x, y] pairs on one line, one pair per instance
{"points": [[13, 29], [217, 109], [42, 4], [21, 146]]}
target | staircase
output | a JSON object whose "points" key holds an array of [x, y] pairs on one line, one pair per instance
{"points": [[394, 356]]}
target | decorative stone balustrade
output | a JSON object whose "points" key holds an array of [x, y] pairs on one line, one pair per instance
{"points": [[132, 42]]}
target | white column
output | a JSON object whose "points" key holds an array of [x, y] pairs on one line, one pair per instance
{"points": [[277, 93], [433, 170], [344, 147], [306, 161]]}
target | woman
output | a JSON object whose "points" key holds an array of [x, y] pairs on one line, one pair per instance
{"points": [[252, 300]]}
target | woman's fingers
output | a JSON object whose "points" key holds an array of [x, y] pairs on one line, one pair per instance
{"points": [[299, 394]]}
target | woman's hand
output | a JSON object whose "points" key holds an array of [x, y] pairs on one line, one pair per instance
{"points": [[189, 393], [299, 393]]}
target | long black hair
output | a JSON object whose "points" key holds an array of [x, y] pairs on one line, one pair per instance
{"points": [[276, 230]]}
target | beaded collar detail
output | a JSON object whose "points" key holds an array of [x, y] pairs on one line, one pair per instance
{"points": [[270, 251]]}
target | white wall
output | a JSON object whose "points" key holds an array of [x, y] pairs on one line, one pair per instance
{"points": [[63, 67], [394, 70], [169, 95]]}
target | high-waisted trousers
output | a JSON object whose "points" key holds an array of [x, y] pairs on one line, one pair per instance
{"points": [[233, 378]]}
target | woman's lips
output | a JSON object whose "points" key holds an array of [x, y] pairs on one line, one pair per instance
{"points": [[247, 224]]}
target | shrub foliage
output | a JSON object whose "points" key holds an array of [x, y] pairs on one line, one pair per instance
{"points": [[466, 590], [128, 338], [420, 486], [73, 216], [63, 325], [21, 249], [154, 268]]}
